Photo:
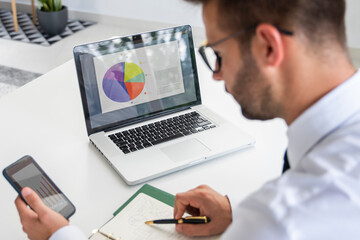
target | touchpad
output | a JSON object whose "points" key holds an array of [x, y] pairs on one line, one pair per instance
{"points": [[185, 150]]}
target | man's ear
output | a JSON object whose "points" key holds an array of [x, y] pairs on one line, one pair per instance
{"points": [[270, 48]]}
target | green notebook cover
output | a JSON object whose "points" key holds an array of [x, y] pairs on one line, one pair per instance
{"points": [[153, 192]]}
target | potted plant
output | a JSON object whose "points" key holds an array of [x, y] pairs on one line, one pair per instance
{"points": [[52, 16]]}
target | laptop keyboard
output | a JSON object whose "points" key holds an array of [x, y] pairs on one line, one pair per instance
{"points": [[162, 131]]}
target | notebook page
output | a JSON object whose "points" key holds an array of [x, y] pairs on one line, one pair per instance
{"points": [[130, 222]]}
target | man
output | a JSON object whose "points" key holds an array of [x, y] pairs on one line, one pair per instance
{"points": [[284, 59]]}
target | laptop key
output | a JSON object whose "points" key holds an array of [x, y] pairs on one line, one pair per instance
{"points": [[120, 144], [123, 147], [126, 151], [204, 123], [167, 139], [187, 132], [147, 145], [119, 135], [112, 137], [133, 149]]}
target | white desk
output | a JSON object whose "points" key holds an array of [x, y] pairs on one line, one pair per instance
{"points": [[45, 119]]}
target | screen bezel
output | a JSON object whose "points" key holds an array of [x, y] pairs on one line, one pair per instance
{"points": [[78, 50], [23, 162]]}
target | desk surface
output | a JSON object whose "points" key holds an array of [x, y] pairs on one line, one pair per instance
{"points": [[45, 119]]}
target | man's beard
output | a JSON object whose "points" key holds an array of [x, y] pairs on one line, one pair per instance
{"points": [[253, 92]]}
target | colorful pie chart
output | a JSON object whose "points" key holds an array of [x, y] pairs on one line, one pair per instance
{"points": [[123, 82]]}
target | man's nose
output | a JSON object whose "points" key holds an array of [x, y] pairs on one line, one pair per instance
{"points": [[218, 76]]}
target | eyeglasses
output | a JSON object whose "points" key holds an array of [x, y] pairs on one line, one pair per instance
{"points": [[212, 58]]}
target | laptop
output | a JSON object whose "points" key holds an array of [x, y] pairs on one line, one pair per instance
{"points": [[142, 105]]}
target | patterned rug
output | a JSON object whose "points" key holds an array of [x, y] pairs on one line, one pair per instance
{"points": [[30, 33]]}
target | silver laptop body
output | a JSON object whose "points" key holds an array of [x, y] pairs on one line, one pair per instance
{"points": [[142, 105]]}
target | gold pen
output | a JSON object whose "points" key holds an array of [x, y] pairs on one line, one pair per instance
{"points": [[108, 236], [191, 220]]}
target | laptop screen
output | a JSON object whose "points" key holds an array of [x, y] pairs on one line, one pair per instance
{"points": [[134, 78]]}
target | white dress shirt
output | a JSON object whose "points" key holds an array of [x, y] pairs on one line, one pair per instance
{"points": [[319, 196], [68, 232]]}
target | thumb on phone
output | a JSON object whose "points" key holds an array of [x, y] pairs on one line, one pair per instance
{"points": [[39, 222], [33, 200]]}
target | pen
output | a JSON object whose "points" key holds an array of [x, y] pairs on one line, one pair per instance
{"points": [[192, 220], [108, 236]]}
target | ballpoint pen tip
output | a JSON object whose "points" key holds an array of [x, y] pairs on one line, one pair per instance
{"points": [[149, 222]]}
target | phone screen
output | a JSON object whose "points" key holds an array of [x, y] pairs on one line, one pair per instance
{"points": [[27, 173]]}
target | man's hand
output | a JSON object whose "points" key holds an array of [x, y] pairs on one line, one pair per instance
{"points": [[39, 222], [203, 201]]}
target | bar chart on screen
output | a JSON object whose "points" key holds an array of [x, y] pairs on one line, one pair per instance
{"points": [[42, 186]]}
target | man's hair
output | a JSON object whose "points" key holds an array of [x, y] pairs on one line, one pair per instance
{"points": [[318, 20]]}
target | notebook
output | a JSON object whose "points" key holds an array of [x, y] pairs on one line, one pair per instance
{"points": [[147, 203], [142, 105]]}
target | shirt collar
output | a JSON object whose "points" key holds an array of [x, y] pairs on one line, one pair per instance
{"points": [[322, 118]]}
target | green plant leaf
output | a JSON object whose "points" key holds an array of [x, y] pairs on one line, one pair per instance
{"points": [[57, 5], [46, 7], [40, 4], [51, 5]]}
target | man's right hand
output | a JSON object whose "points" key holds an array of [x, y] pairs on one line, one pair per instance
{"points": [[203, 201], [39, 222]]}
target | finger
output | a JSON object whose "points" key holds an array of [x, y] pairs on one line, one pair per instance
{"points": [[33, 200], [25, 213], [193, 211], [182, 202], [179, 207], [193, 230], [20, 205], [186, 200], [23, 209]]}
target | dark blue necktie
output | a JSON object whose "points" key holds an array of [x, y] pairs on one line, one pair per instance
{"points": [[286, 163]]}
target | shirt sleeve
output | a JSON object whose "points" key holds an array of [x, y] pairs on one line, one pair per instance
{"points": [[252, 224], [254, 218], [68, 233], [233, 203]]}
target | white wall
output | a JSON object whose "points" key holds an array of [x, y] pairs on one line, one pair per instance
{"points": [[180, 12], [353, 23]]}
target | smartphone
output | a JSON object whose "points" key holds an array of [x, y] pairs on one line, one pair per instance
{"points": [[25, 172]]}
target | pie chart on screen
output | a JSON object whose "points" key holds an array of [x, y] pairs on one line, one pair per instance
{"points": [[123, 82]]}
